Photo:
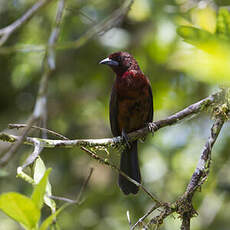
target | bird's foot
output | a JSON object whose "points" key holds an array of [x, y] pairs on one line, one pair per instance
{"points": [[152, 127], [126, 138]]}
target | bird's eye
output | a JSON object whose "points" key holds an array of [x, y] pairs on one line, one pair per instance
{"points": [[119, 59]]}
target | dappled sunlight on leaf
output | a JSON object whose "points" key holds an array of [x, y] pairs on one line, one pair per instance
{"points": [[204, 18], [211, 65], [209, 60]]}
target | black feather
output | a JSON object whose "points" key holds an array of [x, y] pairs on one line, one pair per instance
{"points": [[130, 166]]}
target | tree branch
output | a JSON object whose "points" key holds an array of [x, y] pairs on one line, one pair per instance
{"points": [[109, 22], [140, 221], [40, 109], [116, 141], [183, 206], [19, 126], [8, 30], [200, 174]]}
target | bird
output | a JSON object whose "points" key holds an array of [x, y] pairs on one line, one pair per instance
{"points": [[130, 109]]}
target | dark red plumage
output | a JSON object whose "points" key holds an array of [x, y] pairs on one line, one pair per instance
{"points": [[131, 108]]}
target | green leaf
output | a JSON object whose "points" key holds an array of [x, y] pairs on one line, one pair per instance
{"points": [[211, 66], [204, 18], [39, 170], [209, 60], [48, 201], [40, 189], [20, 208], [223, 24], [194, 35], [48, 221]]}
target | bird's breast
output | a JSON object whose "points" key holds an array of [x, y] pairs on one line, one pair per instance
{"points": [[134, 105], [131, 87], [133, 113]]}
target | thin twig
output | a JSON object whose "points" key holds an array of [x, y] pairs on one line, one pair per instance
{"points": [[113, 20], [19, 126], [8, 30], [41, 101], [32, 157], [128, 218], [40, 106], [77, 11], [103, 161], [158, 220], [155, 206], [63, 199], [79, 197], [13, 148]]}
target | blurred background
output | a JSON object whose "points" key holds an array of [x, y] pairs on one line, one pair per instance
{"points": [[78, 107]]}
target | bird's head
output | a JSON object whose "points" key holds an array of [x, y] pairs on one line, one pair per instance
{"points": [[120, 62]]}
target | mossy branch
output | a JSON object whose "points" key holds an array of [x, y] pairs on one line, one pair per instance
{"points": [[195, 108]]}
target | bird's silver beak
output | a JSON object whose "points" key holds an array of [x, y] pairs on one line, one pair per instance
{"points": [[108, 61]]}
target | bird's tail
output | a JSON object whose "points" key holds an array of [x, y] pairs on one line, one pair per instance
{"points": [[130, 166]]}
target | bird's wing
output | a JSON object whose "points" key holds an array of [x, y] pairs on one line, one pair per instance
{"points": [[150, 116], [113, 112]]}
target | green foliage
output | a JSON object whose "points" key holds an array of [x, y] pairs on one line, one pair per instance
{"points": [[194, 35], [222, 2], [20, 208], [40, 173], [209, 60], [27, 211], [78, 107], [223, 24], [40, 189], [49, 220]]}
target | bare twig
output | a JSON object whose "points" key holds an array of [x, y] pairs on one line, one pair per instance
{"points": [[19, 126], [200, 174], [79, 197], [32, 157], [63, 199], [203, 165], [140, 221], [128, 218], [82, 190], [40, 110], [40, 105], [183, 206], [113, 20], [13, 148], [105, 162], [7, 31]]}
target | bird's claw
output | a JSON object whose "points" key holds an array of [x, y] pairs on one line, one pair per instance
{"points": [[152, 127], [126, 138]]}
